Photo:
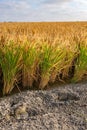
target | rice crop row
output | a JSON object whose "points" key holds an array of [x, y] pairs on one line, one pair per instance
{"points": [[35, 58]]}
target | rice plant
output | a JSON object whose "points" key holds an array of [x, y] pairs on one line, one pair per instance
{"points": [[51, 62], [10, 56], [30, 61], [81, 64], [71, 54]]}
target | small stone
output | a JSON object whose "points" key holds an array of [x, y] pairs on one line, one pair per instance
{"points": [[22, 116], [20, 109], [20, 112], [7, 117]]}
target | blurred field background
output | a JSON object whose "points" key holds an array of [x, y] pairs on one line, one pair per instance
{"points": [[38, 54]]}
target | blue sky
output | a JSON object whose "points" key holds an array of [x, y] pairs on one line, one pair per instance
{"points": [[43, 10]]}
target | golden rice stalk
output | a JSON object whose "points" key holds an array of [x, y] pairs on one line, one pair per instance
{"points": [[10, 57], [30, 62]]}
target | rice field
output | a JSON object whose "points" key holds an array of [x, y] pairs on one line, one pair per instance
{"points": [[42, 53]]}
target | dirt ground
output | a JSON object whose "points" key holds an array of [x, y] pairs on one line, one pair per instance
{"points": [[61, 108]]}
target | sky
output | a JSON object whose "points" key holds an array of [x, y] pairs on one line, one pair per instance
{"points": [[43, 10]]}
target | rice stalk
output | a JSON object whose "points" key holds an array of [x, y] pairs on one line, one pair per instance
{"points": [[81, 64], [71, 55], [51, 59], [30, 62], [10, 56]]}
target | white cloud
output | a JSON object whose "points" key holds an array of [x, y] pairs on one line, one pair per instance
{"points": [[43, 10]]}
